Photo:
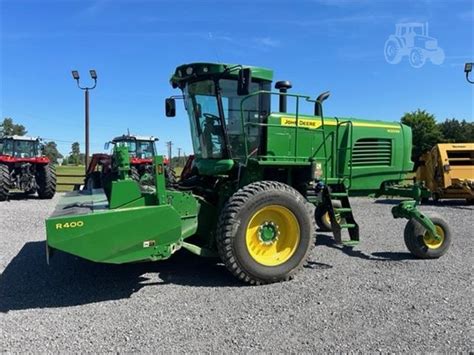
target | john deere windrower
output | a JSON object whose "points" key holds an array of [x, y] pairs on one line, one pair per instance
{"points": [[259, 182]]}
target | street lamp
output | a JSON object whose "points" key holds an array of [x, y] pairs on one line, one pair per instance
{"points": [[467, 70], [93, 74]]}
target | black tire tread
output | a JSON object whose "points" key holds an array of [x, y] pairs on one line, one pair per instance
{"points": [[4, 182], [46, 180], [414, 229], [227, 223], [134, 174]]}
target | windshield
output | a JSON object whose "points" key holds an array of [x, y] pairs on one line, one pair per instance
{"points": [[138, 148], [19, 148], [208, 134]]}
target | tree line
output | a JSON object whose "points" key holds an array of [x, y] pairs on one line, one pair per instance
{"points": [[426, 133]]}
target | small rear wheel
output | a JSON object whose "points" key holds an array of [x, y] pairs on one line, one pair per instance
{"points": [[422, 243], [265, 232], [322, 216], [46, 180], [5, 183]]}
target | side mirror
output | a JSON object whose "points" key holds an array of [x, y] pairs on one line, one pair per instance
{"points": [[170, 105], [243, 84], [106, 146]]}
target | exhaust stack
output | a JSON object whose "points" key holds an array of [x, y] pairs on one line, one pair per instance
{"points": [[283, 87]]}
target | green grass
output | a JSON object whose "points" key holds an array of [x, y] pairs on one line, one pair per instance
{"points": [[79, 170], [69, 170]]}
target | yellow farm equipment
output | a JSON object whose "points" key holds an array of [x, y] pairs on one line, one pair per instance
{"points": [[448, 171]]}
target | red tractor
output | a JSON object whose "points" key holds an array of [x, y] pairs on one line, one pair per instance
{"points": [[22, 167], [141, 150]]}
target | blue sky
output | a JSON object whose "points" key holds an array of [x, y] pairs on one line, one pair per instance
{"points": [[135, 45]]}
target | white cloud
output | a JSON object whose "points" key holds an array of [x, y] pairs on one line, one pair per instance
{"points": [[267, 42]]}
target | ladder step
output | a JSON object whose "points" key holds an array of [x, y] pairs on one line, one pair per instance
{"points": [[350, 243], [339, 194], [330, 181], [342, 210], [347, 225]]}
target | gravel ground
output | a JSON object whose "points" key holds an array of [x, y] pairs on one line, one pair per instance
{"points": [[374, 297]]}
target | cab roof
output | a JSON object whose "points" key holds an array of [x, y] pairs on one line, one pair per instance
{"points": [[134, 137], [193, 70]]}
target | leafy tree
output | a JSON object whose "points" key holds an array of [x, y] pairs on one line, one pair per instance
{"points": [[75, 155], [9, 128], [65, 160], [50, 150], [426, 132], [455, 131]]}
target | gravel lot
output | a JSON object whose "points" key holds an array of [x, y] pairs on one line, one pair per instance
{"points": [[374, 297]]}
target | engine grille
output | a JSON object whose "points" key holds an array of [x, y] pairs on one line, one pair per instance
{"points": [[372, 151]]}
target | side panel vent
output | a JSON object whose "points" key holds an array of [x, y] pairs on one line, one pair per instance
{"points": [[372, 151]]}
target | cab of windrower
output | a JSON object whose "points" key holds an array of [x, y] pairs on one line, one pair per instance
{"points": [[223, 108]]}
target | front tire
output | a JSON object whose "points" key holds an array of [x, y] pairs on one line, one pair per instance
{"points": [[421, 243], [5, 183], [46, 180], [265, 232]]}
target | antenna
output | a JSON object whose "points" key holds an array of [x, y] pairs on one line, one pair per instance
{"points": [[211, 38]]}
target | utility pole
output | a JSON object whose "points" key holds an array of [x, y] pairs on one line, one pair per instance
{"points": [[93, 74], [179, 156], [169, 144]]}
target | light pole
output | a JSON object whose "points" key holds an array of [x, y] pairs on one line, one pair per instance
{"points": [[75, 75], [467, 70]]}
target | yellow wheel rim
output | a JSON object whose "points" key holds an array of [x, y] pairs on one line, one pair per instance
{"points": [[327, 219], [272, 235], [430, 241]]}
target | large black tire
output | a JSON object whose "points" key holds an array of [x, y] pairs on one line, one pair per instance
{"points": [[46, 180], [322, 216], [93, 181], [134, 174], [5, 182], [170, 176], [260, 205], [421, 244]]}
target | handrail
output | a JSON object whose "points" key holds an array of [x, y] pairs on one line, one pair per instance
{"points": [[298, 97], [347, 148]]}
